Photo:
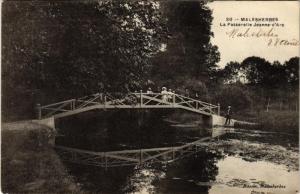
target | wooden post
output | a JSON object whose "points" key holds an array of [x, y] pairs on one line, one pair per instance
{"points": [[39, 111], [174, 99], [105, 158], [73, 104], [219, 108], [101, 98], [141, 98], [173, 153], [268, 104], [104, 101], [280, 105], [141, 157]]}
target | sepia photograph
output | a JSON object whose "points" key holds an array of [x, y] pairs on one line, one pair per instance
{"points": [[150, 97]]}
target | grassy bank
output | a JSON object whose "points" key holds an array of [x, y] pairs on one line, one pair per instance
{"points": [[29, 164], [283, 121]]}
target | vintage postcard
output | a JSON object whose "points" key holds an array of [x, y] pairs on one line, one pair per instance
{"points": [[150, 96]]}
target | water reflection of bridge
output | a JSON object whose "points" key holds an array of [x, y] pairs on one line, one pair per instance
{"points": [[129, 157]]}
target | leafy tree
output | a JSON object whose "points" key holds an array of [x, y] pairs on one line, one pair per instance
{"points": [[292, 70], [277, 77], [273, 84], [231, 72], [189, 52], [196, 88], [234, 95], [60, 50], [256, 70]]}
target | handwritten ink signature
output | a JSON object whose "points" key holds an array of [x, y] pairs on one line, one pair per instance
{"points": [[273, 37], [283, 42], [238, 33]]}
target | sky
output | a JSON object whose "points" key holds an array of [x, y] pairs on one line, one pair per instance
{"points": [[234, 48]]}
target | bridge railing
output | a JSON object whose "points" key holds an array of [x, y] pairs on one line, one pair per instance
{"points": [[54, 108], [69, 105], [130, 100], [177, 100]]}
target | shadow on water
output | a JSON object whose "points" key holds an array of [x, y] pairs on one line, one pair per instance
{"points": [[125, 129]]}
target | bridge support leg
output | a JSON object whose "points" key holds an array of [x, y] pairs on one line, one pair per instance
{"points": [[39, 111], [105, 102], [141, 157], [174, 99], [208, 121], [73, 104], [105, 158], [141, 98], [173, 153]]}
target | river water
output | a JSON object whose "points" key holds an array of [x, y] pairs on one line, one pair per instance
{"points": [[234, 161]]}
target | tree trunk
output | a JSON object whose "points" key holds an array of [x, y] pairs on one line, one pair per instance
{"points": [[268, 104], [280, 105]]}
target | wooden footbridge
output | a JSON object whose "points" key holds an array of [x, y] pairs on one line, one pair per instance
{"points": [[129, 157], [130, 101]]}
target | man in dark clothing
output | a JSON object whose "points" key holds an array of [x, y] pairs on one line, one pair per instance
{"points": [[228, 116]]}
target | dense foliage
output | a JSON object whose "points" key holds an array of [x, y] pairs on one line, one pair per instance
{"points": [[189, 52], [258, 71], [58, 50], [269, 85]]}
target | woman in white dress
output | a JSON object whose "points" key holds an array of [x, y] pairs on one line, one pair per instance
{"points": [[164, 93], [170, 95]]}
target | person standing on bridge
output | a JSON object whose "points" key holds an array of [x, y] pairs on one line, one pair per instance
{"points": [[228, 116], [149, 91], [164, 93], [170, 95], [187, 92]]}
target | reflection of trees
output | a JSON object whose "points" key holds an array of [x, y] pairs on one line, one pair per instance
{"points": [[200, 167], [179, 177], [121, 129], [85, 131], [97, 180], [139, 129]]}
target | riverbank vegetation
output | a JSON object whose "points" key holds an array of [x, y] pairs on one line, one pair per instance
{"points": [[270, 92], [28, 162]]}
